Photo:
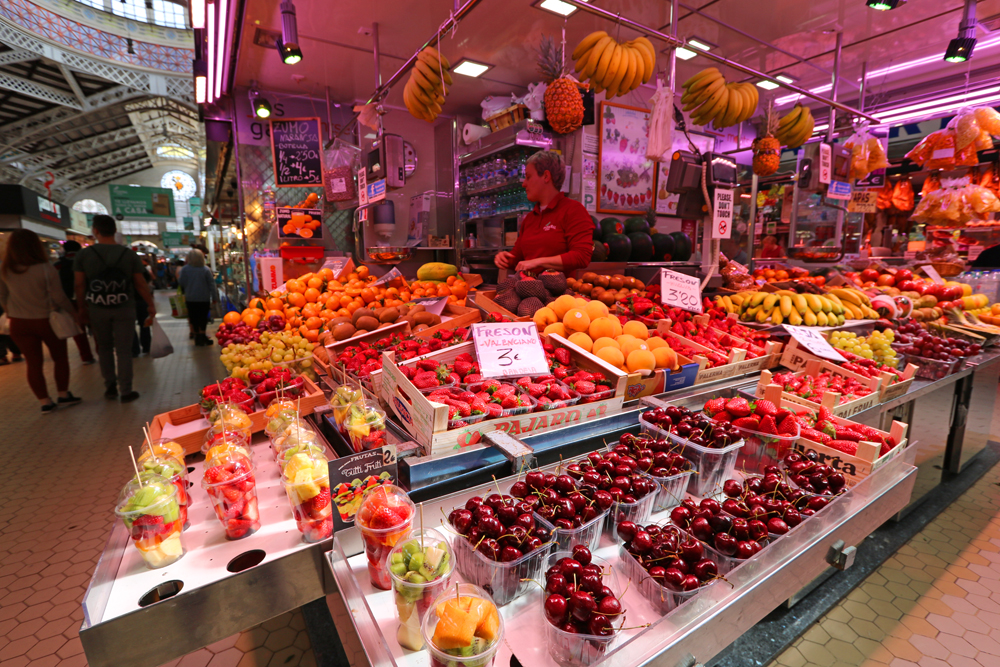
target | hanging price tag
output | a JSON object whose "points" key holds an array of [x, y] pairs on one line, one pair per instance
{"points": [[813, 341], [932, 274], [508, 349], [682, 291]]}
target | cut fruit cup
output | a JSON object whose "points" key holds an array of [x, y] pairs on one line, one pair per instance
{"points": [[310, 446], [369, 433], [306, 478], [288, 436], [453, 646], [162, 447], [764, 449], [230, 483], [420, 568], [225, 443], [148, 506], [231, 417], [342, 400], [572, 649], [176, 473], [278, 421], [384, 518], [714, 466]]}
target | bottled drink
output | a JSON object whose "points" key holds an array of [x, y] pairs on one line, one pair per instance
{"points": [[269, 203]]}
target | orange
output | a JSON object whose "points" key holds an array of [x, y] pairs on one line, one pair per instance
{"points": [[640, 360], [251, 318], [665, 358], [327, 314], [405, 296], [312, 294], [637, 329], [368, 295], [451, 280], [781, 274], [269, 313], [315, 282], [353, 275], [443, 290], [326, 274], [343, 312], [557, 328], [562, 305], [274, 303], [353, 306], [296, 299], [460, 289], [294, 285], [333, 303], [612, 355], [314, 323], [310, 310], [602, 327], [311, 335], [232, 318], [362, 271], [769, 273], [582, 340]]}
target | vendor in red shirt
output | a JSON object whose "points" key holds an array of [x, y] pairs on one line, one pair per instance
{"points": [[558, 234]]}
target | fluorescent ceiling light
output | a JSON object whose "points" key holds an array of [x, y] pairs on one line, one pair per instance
{"points": [[924, 106], [556, 7], [699, 43], [197, 14], [785, 78], [788, 99], [945, 108], [767, 85], [685, 54], [211, 52], [470, 68], [891, 69], [820, 128], [223, 52]]}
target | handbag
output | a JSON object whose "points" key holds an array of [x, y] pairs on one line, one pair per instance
{"points": [[63, 324], [178, 305], [160, 345]]}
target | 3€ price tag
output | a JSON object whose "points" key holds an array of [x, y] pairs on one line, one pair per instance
{"points": [[682, 291], [813, 341], [508, 349]]}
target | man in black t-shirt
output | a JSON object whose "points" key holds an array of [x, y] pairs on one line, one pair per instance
{"points": [[66, 276]]}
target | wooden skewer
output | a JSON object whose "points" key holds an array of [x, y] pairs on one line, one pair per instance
{"points": [[135, 465]]}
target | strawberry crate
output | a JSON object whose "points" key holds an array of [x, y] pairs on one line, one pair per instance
{"points": [[427, 422], [831, 400], [705, 373]]}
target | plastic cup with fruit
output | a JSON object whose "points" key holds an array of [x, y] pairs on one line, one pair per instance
{"points": [[231, 417], [148, 506], [278, 420], [230, 483], [176, 472], [306, 479], [309, 446], [384, 519], [365, 427], [463, 628], [420, 569], [225, 444], [342, 399], [162, 447]]}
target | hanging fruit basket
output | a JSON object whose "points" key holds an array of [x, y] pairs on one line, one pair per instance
{"points": [[506, 117]]}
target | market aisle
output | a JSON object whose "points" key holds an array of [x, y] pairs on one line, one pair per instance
{"points": [[59, 479], [935, 603]]}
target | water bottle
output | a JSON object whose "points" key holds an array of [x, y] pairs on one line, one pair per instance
{"points": [[269, 216]]}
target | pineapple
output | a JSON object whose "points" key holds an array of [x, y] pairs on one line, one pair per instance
{"points": [[767, 149], [563, 102]]}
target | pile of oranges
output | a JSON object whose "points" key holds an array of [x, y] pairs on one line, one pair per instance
{"points": [[779, 274], [309, 302]]}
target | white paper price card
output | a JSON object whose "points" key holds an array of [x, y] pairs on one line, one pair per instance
{"points": [[813, 341], [506, 349], [682, 291], [932, 274]]}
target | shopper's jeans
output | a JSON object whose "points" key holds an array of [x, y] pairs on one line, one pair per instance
{"points": [[29, 336], [198, 315], [114, 330]]}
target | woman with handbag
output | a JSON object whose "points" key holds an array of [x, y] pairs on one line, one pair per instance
{"points": [[39, 312]]}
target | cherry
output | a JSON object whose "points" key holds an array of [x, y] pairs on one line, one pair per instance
{"points": [[461, 520], [531, 543], [582, 605], [609, 606], [481, 512], [525, 521], [564, 484], [690, 582], [535, 479], [591, 583], [599, 625], [691, 550], [491, 527], [556, 607], [507, 514], [701, 529], [627, 530], [472, 503], [519, 489], [732, 488], [777, 526], [509, 554], [705, 569], [642, 542], [745, 549], [725, 544], [681, 516], [555, 583], [582, 555], [571, 569]]}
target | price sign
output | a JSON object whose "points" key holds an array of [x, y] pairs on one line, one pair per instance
{"points": [[297, 149], [825, 163], [299, 223], [682, 291], [813, 341], [863, 201], [393, 274], [351, 476], [722, 220], [363, 189], [507, 349], [932, 274]]}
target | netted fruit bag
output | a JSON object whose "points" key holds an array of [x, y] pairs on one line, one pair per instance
{"points": [[339, 168]]}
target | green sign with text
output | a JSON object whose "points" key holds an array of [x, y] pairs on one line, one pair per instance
{"points": [[130, 202]]}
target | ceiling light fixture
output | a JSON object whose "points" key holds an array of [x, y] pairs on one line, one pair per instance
{"points": [[788, 99], [703, 44], [261, 106], [470, 68], [960, 48], [220, 46], [767, 84], [200, 82], [885, 5], [891, 69], [685, 54], [556, 6], [288, 45], [197, 14], [210, 87], [786, 78], [931, 107]]}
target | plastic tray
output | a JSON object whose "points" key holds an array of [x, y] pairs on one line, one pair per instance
{"points": [[557, 405], [763, 449], [672, 489], [597, 396], [714, 466], [524, 409], [504, 581], [727, 563], [928, 369], [637, 512], [662, 598], [589, 534], [471, 419], [579, 650]]}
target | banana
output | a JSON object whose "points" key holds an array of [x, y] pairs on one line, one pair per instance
{"points": [[415, 107], [809, 318], [735, 108], [598, 89], [786, 305], [418, 93], [698, 98], [438, 56], [795, 319], [431, 74], [770, 300], [435, 64], [582, 60], [763, 314], [423, 81], [648, 53], [632, 71], [821, 319], [587, 42], [846, 295], [814, 302], [616, 70], [789, 119], [727, 303], [835, 299], [757, 299], [595, 56], [800, 303], [707, 72], [751, 313], [709, 109], [694, 92], [751, 92], [625, 71], [855, 311], [737, 298], [776, 316], [840, 320], [825, 303], [605, 62], [642, 69]]}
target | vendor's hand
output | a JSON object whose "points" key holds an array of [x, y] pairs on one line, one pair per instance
{"points": [[504, 259], [528, 265]]}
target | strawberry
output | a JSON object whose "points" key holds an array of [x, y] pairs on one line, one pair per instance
{"points": [[715, 405], [523, 381], [509, 402], [463, 367], [464, 409], [768, 426], [482, 395], [491, 386], [426, 381], [237, 528], [452, 413], [722, 416], [816, 436], [747, 422], [385, 517], [764, 407], [788, 426], [493, 410], [460, 424], [452, 378], [466, 396], [560, 373], [846, 446], [782, 414], [825, 415], [584, 387], [535, 390], [886, 448], [503, 391], [235, 510], [843, 433], [216, 474], [231, 493], [738, 407], [557, 393], [473, 377], [478, 406], [428, 365], [321, 500], [562, 356]]}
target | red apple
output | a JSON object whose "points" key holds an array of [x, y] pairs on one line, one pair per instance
{"points": [[904, 274], [886, 280], [869, 275], [952, 293]]}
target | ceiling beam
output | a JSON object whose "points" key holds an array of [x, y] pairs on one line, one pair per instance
{"points": [[17, 56], [38, 91], [105, 176], [74, 85]]}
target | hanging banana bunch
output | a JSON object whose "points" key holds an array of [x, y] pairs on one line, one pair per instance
{"points": [[611, 67], [795, 128], [710, 99], [425, 91]]}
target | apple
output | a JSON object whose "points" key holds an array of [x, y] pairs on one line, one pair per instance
{"points": [[869, 275], [886, 280], [904, 274]]}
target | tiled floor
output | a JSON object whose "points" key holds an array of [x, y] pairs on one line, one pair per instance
{"points": [[54, 521]]}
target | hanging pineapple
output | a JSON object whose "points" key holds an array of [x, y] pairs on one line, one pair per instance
{"points": [[563, 102], [767, 149]]}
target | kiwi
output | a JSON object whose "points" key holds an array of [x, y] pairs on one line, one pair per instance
{"points": [[629, 282], [403, 310], [430, 319], [418, 308], [602, 281], [638, 284], [608, 298], [343, 331], [385, 324], [585, 289], [388, 315], [363, 312], [340, 320], [366, 322], [419, 328], [589, 277], [616, 282]]}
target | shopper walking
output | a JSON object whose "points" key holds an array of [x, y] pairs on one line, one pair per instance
{"points": [[66, 277], [108, 281], [142, 343], [199, 293], [29, 292]]}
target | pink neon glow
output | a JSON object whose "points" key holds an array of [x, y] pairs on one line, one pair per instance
{"points": [[942, 108], [211, 52], [937, 58], [197, 13], [924, 106], [220, 56], [199, 89]]}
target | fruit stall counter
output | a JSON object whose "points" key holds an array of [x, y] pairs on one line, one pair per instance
{"points": [[712, 618], [226, 585]]}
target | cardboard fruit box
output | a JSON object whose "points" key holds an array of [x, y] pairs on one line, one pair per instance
{"points": [[192, 439], [427, 422], [830, 399]]}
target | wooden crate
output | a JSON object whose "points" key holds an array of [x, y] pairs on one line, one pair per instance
{"points": [[485, 300], [795, 358], [311, 399], [831, 400]]}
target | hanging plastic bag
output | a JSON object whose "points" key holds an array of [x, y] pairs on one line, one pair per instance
{"points": [[988, 119], [984, 141], [902, 195], [877, 159], [931, 183], [661, 123], [966, 129], [942, 155], [339, 171], [857, 143], [159, 345], [884, 200]]}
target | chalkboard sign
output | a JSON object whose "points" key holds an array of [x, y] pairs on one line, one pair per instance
{"points": [[297, 147]]}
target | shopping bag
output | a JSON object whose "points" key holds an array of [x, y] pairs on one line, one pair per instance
{"points": [[178, 306], [160, 345], [63, 324]]}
